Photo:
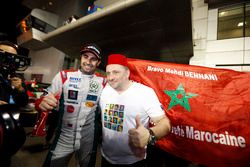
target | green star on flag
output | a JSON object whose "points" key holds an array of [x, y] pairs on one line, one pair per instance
{"points": [[179, 96]]}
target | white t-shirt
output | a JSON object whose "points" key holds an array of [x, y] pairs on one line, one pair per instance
{"points": [[118, 116]]}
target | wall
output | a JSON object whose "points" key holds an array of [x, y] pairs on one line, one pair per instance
{"points": [[208, 51], [47, 62], [48, 17], [105, 3], [199, 24], [69, 8]]}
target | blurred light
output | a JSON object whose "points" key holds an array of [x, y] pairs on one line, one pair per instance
{"points": [[240, 24], [6, 116], [23, 26], [16, 116], [222, 13]]}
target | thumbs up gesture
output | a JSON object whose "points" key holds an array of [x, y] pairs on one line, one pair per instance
{"points": [[138, 136]]}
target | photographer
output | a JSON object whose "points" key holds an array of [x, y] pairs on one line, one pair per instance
{"points": [[12, 96], [12, 89]]}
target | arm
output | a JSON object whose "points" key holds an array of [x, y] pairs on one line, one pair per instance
{"points": [[161, 126], [140, 136], [3, 102], [50, 101], [19, 92], [46, 103]]}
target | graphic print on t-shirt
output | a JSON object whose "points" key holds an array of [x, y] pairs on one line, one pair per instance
{"points": [[113, 117]]}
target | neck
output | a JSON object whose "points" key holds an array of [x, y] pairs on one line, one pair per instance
{"points": [[86, 73], [124, 87]]}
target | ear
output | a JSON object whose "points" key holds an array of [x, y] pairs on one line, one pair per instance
{"points": [[128, 73]]}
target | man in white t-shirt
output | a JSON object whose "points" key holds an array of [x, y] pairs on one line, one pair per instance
{"points": [[127, 108]]}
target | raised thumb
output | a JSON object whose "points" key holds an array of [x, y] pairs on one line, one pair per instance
{"points": [[137, 121]]}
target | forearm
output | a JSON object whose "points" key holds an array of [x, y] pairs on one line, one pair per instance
{"points": [[140, 136], [161, 127]]}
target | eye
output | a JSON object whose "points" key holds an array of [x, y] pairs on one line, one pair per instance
{"points": [[93, 59], [85, 56]]}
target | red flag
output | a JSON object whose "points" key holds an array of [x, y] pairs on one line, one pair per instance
{"points": [[209, 110]]}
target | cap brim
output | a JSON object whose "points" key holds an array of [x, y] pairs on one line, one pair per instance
{"points": [[91, 51]]}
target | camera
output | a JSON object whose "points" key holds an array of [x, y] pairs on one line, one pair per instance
{"points": [[10, 63], [12, 134]]}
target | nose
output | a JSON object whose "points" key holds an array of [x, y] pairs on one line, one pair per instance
{"points": [[88, 60], [110, 77]]}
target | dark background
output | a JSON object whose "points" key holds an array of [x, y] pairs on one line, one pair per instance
{"points": [[11, 13]]}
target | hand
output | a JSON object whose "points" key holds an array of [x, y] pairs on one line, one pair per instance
{"points": [[138, 151], [48, 103], [138, 137], [3, 102], [17, 83]]}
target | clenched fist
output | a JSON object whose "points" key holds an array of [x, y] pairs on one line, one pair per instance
{"points": [[16, 83]]}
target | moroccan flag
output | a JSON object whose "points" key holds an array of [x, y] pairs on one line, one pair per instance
{"points": [[209, 111]]}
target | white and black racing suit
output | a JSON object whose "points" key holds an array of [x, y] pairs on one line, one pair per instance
{"points": [[77, 126]]}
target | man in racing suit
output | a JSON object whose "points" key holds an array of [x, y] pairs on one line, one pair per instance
{"points": [[79, 92]]}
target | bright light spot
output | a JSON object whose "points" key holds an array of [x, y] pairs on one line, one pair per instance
{"points": [[222, 13], [240, 24], [6, 116]]}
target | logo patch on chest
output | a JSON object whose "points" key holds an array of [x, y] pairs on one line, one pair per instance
{"points": [[91, 97], [93, 86], [74, 79], [70, 109], [74, 86], [72, 94], [89, 104]]}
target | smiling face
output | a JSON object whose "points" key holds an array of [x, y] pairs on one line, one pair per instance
{"points": [[117, 76], [89, 63]]}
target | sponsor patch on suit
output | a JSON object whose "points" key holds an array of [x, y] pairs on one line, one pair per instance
{"points": [[72, 94], [89, 104], [91, 97], [74, 79], [70, 109], [73, 86]]}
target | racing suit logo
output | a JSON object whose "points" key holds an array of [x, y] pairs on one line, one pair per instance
{"points": [[93, 87], [70, 109], [74, 79], [72, 94]]}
